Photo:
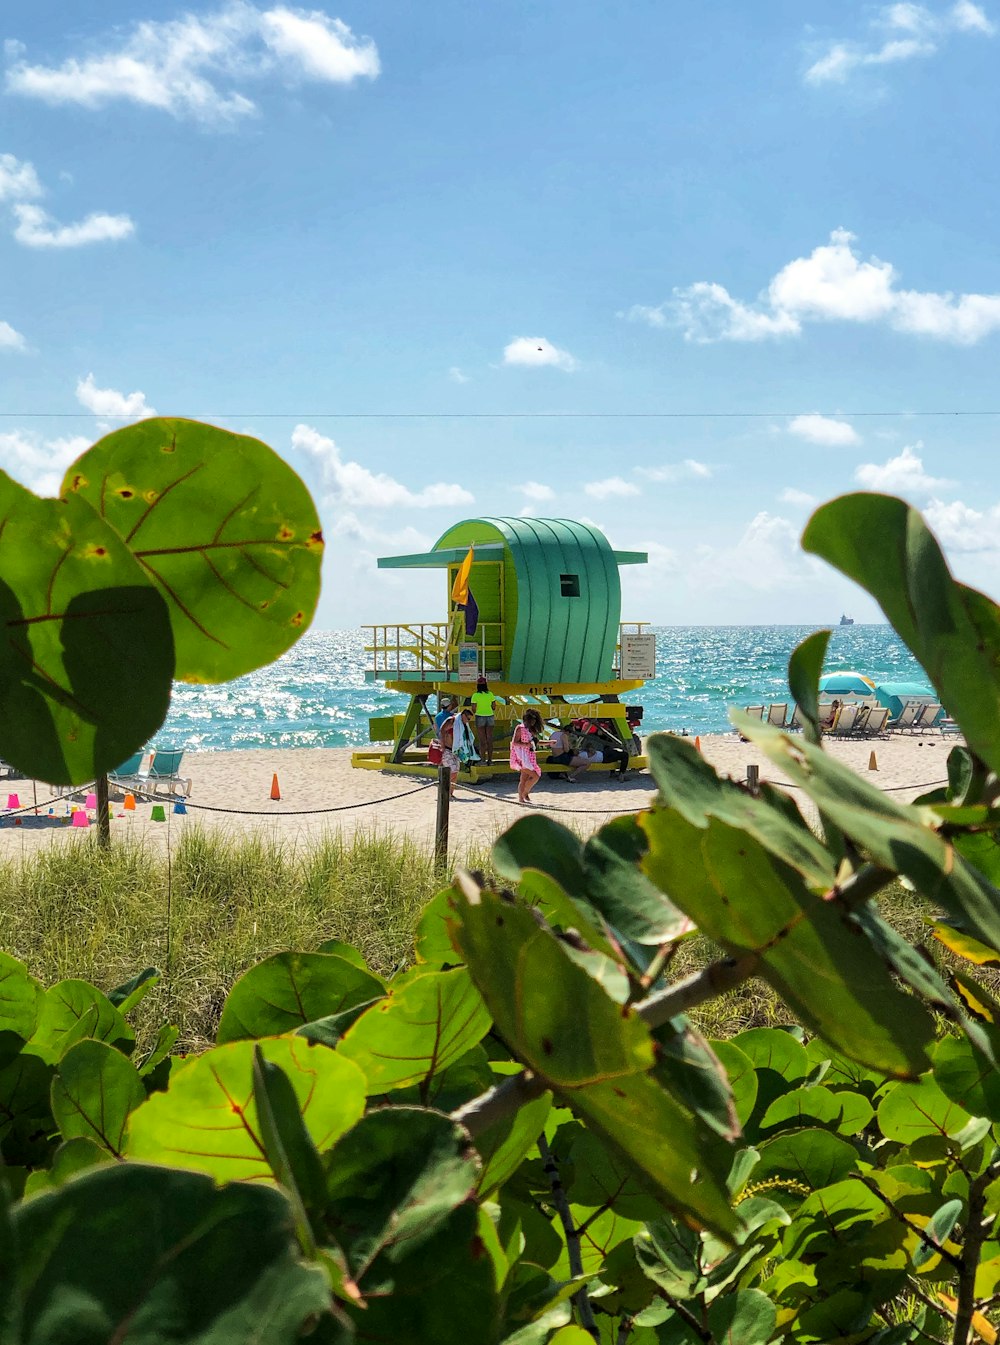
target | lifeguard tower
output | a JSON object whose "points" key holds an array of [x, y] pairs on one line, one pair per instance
{"points": [[543, 626]]}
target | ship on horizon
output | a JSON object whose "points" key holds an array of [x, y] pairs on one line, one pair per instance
{"points": [[846, 620]]}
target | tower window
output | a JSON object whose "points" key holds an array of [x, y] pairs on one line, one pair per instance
{"points": [[569, 584]]}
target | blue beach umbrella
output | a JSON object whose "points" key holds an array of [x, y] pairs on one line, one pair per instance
{"points": [[895, 694], [846, 684]]}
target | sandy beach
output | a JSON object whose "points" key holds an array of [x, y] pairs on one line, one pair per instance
{"points": [[321, 792]]}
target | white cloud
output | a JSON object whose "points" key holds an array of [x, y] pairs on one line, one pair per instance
{"points": [[676, 471], [902, 475], [535, 490], [188, 66], [707, 312], [456, 375], [110, 402], [614, 487], [959, 527], [832, 284], [351, 484], [11, 339], [37, 229], [801, 498], [900, 32], [39, 463], [766, 558], [536, 351], [824, 430], [969, 18], [18, 179]]}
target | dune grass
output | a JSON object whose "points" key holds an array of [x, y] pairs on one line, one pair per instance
{"points": [[221, 904]]}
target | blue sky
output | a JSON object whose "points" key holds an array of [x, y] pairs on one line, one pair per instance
{"points": [[270, 216]]}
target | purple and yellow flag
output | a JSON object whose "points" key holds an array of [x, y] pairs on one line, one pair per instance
{"points": [[460, 588]]}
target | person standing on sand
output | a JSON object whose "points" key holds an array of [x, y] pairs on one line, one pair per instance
{"points": [[485, 705], [446, 735], [522, 753]]}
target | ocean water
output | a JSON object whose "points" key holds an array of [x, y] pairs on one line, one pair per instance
{"points": [[317, 696]]}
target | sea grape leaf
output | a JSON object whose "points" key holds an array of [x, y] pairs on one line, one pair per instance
{"points": [[549, 1011], [432, 942], [537, 842], [844, 1112], [142, 1253], [617, 887], [770, 1048], [207, 1118], [72, 1011], [166, 1039], [912, 1111], [20, 998], [126, 996], [601, 1178], [804, 670], [94, 1089], [689, 784], [742, 1078], [747, 1316], [222, 526], [752, 904], [957, 941], [898, 837], [75, 609], [807, 1158], [953, 631], [293, 1157], [328, 1031], [400, 1188], [418, 1030], [967, 1077], [441, 1288], [937, 1230], [508, 1141], [560, 1022], [392, 1181], [631, 1115], [288, 990], [345, 950], [689, 1067]]}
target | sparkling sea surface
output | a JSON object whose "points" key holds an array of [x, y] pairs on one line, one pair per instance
{"points": [[317, 696]]}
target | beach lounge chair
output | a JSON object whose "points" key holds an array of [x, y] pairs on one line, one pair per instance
{"points": [[164, 774], [133, 773], [931, 716], [797, 721], [776, 715], [906, 717], [843, 725], [878, 717], [755, 711], [861, 721]]}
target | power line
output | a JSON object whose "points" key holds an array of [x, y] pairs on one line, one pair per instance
{"points": [[502, 415]]}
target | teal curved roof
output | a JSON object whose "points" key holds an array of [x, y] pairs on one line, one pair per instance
{"points": [[558, 636]]}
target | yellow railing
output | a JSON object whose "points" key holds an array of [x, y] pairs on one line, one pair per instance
{"points": [[431, 648]]}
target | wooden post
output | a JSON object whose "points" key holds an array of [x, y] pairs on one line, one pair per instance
{"points": [[103, 815], [441, 822], [753, 779]]}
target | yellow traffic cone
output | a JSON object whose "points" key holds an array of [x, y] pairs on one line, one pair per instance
{"points": [[872, 763]]}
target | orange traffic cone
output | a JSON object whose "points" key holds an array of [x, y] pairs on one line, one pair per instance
{"points": [[275, 791], [872, 763], [697, 743]]}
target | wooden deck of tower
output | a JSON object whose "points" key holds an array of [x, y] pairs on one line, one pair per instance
{"points": [[542, 622]]}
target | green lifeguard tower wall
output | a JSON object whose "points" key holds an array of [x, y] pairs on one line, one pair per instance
{"points": [[555, 587]]}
